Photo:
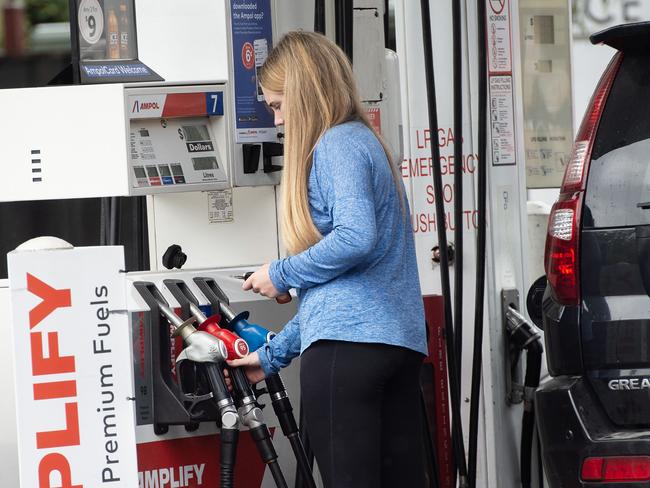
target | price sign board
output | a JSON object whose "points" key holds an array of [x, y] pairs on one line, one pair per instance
{"points": [[104, 42]]}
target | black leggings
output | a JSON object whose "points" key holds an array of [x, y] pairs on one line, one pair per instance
{"points": [[363, 414]]}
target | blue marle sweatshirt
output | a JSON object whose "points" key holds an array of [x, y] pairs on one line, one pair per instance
{"points": [[360, 282]]}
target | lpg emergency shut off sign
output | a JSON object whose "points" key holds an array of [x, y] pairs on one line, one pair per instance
{"points": [[74, 398]]}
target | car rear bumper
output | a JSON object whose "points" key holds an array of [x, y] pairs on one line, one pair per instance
{"points": [[572, 426]]}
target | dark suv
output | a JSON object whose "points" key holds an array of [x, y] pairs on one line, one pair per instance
{"points": [[594, 414]]}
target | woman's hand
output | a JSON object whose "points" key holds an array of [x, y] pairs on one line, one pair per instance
{"points": [[252, 368], [260, 282]]}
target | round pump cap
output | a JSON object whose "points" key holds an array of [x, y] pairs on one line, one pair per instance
{"points": [[44, 243]]}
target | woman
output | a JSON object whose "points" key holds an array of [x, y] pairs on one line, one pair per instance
{"points": [[360, 325]]}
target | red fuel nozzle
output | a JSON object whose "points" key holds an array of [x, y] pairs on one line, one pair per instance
{"points": [[236, 346]]}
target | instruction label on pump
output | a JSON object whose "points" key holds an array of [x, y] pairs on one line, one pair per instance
{"points": [[502, 127], [220, 206], [500, 85]]}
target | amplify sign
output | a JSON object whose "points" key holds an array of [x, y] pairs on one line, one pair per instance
{"points": [[72, 362]]}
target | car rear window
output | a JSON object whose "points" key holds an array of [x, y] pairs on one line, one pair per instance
{"points": [[619, 176]]}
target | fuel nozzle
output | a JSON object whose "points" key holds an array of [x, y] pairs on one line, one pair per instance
{"points": [[255, 335], [183, 328], [236, 346], [201, 346], [520, 330]]}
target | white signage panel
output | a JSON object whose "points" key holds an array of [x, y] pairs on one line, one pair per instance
{"points": [[74, 393]]}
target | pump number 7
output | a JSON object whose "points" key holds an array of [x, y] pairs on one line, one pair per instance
{"points": [[214, 103]]}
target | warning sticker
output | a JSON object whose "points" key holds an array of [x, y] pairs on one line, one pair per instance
{"points": [[220, 206], [498, 36], [502, 122], [374, 116]]}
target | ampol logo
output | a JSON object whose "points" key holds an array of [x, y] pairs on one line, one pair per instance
{"points": [[139, 106]]}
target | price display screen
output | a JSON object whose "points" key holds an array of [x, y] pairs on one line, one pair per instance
{"points": [[196, 133], [204, 164]]}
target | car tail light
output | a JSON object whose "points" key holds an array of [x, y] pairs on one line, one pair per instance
{"points": [[561, 253], [575, 174], [562, 242], [617, 469]]}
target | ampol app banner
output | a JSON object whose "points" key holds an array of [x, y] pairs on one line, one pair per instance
{"points": [[252, 40]]}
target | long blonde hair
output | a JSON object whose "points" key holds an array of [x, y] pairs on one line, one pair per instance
{"points": [[317, 80]]}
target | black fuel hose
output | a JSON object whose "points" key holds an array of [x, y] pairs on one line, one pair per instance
{"points": [[245, 398], [540, 467], [229, 436], [304, 438], [114, 222], [531, 382], [284, 412], [344, 26], [319, 16], [104, 206], [458, 180], [140, 228], [229, 441], [457, 432], [480, 243], [240, 384], [262, 439]]}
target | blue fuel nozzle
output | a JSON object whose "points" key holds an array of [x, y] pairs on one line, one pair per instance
{"points": [[254, 335]]}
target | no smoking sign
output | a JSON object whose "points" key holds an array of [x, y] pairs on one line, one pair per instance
{"points": [[497, 6]]}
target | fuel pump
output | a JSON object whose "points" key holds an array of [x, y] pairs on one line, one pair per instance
{"points": [[520, 45]]}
